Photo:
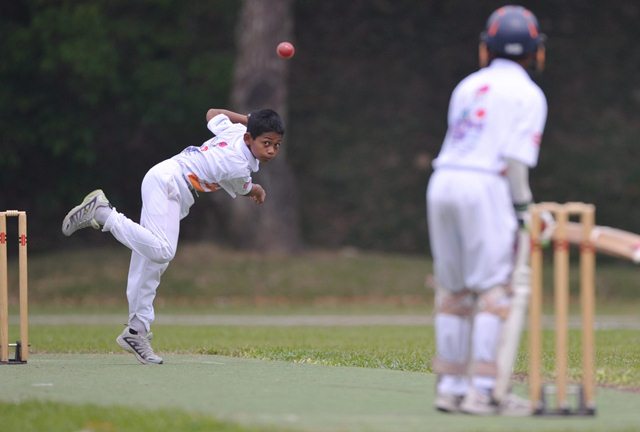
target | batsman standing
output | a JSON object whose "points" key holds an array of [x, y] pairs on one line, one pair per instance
{"points": [[168, 190], [477, 194]]}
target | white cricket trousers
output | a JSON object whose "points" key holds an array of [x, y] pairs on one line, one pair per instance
{"points": [[166, 200], [472, 228]]}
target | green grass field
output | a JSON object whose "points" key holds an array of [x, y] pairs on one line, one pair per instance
{"points": [[205, 277], [406, 348], [37, 416], [91, 283]]}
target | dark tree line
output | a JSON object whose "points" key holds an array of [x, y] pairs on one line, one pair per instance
{"points": [[95, 92]]}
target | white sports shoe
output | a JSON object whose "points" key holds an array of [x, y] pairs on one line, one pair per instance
{"points": [[83, 215], [138, 345], [515, 406], [478, 403], [447, 402]]}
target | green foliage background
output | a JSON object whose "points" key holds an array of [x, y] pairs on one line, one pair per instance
{"points": [[95, 92]]}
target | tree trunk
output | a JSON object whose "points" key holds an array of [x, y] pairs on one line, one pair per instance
{"points": [[260, 81]]}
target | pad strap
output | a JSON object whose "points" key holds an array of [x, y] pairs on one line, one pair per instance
{"points": [[495, 301], [481, 368], [445, 367], [460, 304]]}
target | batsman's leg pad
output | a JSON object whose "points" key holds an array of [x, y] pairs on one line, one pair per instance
{"points": [[493, 308], [459, 303], [453, 331], [495, 301]]}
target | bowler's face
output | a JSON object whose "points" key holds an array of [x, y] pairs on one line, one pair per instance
{"points": [[264, 147]]}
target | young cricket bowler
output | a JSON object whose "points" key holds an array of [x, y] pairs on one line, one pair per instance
{"points": [[478, 193], [168, 190]]}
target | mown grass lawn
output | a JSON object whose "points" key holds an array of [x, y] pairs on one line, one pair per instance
{"points": [[204, 279], [38, 416], [205, 276], [209, 280], [408, 348]]}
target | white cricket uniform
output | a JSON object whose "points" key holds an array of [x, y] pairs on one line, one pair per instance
{"points": [[495, 114], [168, 189]]}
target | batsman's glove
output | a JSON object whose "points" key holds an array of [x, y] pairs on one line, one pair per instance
{"points": [[546, 218]]}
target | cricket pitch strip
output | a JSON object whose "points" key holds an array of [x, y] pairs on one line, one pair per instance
{"points": [[294, 396]]}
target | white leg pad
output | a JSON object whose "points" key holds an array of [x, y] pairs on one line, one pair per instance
{"points": [[452, 352], [493, 307], [453, 338]]}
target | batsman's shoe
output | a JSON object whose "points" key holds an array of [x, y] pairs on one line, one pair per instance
{"points": [[448, 403], [515, 406], [83, 215], [138, 345], [478, 403]]}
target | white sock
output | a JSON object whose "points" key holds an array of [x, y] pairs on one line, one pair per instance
{"points": [[138, 326], [453, 384], [484, 384], [102, 214]]}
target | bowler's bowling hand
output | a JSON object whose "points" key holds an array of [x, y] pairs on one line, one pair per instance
{"points": [[257, 193]]}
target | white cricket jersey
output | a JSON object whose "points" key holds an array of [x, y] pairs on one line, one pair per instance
{"points": [[495, 113], [224, 161]]}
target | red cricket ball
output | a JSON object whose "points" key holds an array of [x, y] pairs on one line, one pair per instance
{"points": [[285, 50]]}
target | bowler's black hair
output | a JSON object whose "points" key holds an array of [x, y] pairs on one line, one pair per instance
{"points": [[263, 121]]}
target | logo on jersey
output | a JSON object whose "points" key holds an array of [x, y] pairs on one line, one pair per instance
{"points": [[205, 147], [201, 185], [537, 139], [470, 123], [211, 144]]}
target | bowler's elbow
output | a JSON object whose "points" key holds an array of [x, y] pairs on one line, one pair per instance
{"points": [[211, 113]]}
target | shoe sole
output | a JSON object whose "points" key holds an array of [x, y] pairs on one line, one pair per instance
{"points": [[86, 201], [479, 413], [125, 346], [447, 410], [447, 406]]}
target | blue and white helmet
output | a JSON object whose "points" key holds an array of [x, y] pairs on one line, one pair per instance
{"points": [[512, 32]]}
